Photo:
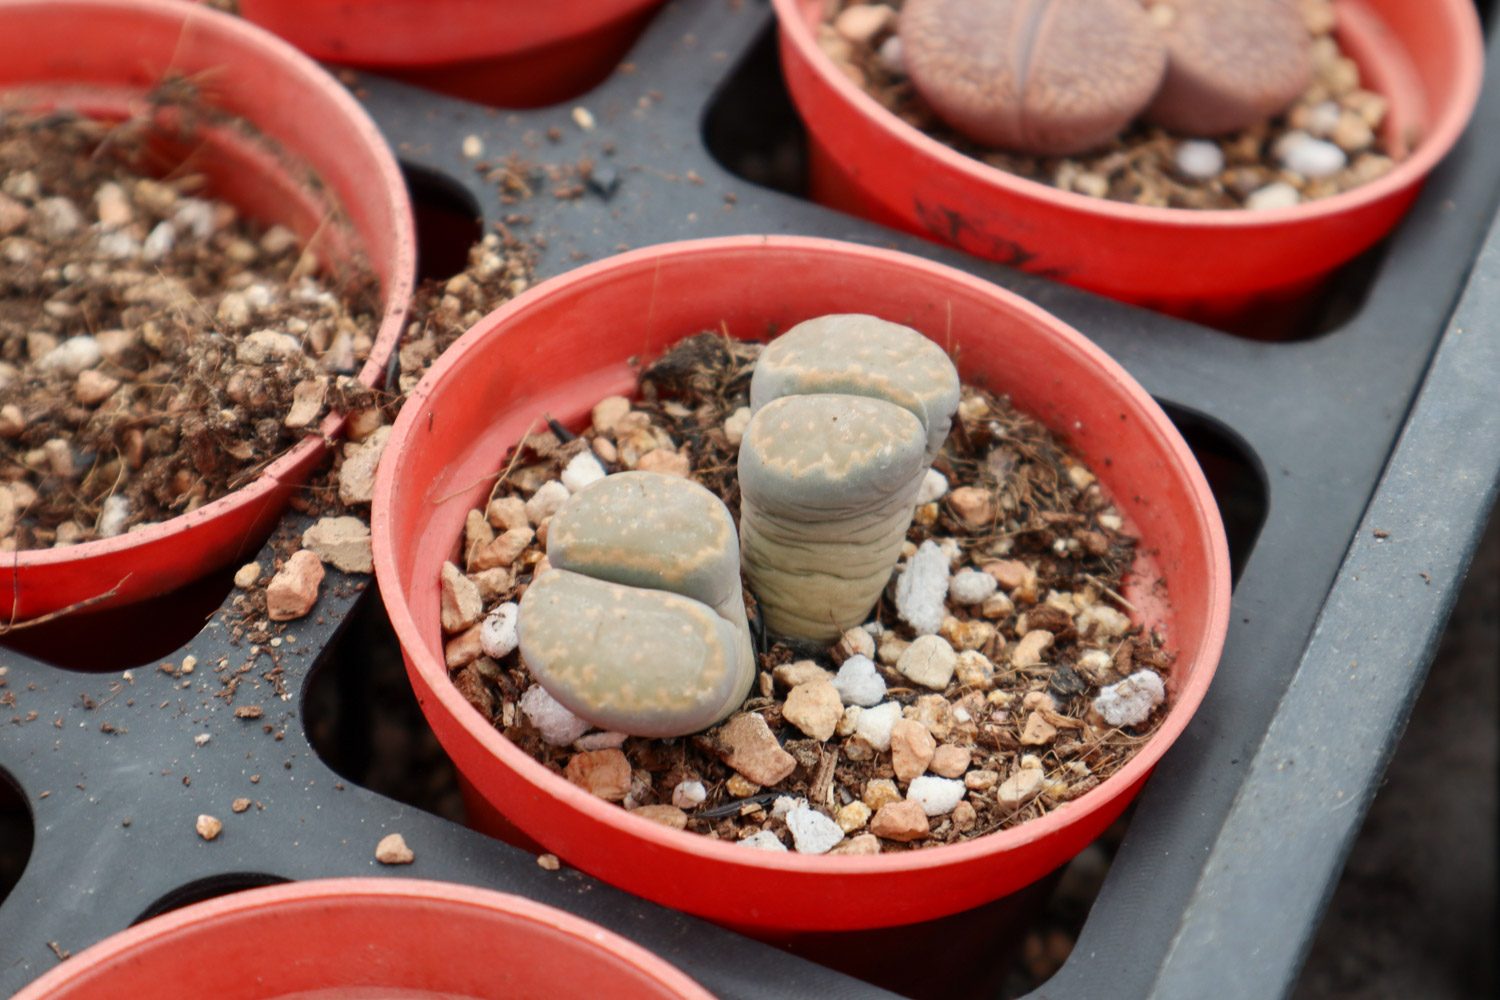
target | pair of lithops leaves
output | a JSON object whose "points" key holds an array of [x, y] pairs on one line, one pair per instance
{"points": [[1058, 77], [640, 627]]}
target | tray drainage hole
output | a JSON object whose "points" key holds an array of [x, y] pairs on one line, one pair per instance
{"points": [[17, 834], [448, 222], [205, 889], [1235, 476]]}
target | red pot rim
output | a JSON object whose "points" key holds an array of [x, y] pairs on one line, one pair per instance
{"points": [[434, 674], [396, 288], [1437, 140], [201, 917]]}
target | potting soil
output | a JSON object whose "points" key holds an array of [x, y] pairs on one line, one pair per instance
{"points": [[1014, 733]]}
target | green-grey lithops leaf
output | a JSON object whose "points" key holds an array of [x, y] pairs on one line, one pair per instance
{"points": [[861, 355], [630, 659], [827, 484]]}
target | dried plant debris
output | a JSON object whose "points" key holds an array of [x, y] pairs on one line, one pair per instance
{"points": [[156, 350], [975, 699], [1329, 141]]}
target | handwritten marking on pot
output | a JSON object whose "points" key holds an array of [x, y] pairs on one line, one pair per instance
{"points": [[640, 628], [1046, 77]]}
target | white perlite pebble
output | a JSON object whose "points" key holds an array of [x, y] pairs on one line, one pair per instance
{"points": [[937, 796], [1278, 195], [1129, 702], [114, 515], [785, 804], [875, 724], [1199, 159], [765, 840], [812, 832], [497, 636], [858, 682], [689, 794], [934, 486], [72, 356], [119, 244], [922, 589], [1302, 154], [557, 725], [546, 501], [971, 586], [584, 469], [600, 741], [195, 216], [159, 242], [735, 424]]}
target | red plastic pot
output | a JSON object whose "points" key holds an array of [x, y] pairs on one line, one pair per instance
{"points": [[1217, 267], [560, 347], [322, 169], [366, 938], [511, 53]]}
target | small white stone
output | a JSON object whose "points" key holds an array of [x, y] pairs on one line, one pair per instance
{"points": [[765, 840], [875, 724], [112, 518], [605, 740], [784, 804], [929, 661], [812, 832], [937, 796], [735, 424], [1199, 159], [582, 470], [556, 724], [1129, 702], [934, 485], [497, 635], [195, 216], [473, 147], [264, 346], [1302, 154], [858, 682], [546, 501], [72, 356], [1272, 196], [892, 58], [689, 794], [971, 586], [1323, 118], [119, 244], [202, 739], [922, 589], [56, 219], [159, 242]]}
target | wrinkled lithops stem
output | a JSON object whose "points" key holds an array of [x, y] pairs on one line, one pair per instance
{"points": [[1043, 77], [640, 627], [849, 412]]}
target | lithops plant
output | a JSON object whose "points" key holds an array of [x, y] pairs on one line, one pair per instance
{"points": [[1231, 64], [849, 411], [640, 626], [1042, 77]]}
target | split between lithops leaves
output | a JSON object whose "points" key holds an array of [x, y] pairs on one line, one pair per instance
{"points": [[640, 626], [849, 411]]}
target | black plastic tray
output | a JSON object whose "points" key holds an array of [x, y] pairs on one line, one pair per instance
{"points": [[1355, 470]]}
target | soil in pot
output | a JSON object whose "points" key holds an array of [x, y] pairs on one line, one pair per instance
{"points": [[1331, 140], [158, 350], [1007, 731]]}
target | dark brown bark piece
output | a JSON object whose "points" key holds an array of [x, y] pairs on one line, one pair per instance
{"points": [[1232, 64], [1043, 77]]}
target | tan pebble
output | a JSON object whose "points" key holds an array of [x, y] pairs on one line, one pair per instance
{"points": [[879, 792], [364, 422], [605, 450], [912, 747], [294, 590], [1091, 184], [1038, 731], [666, 815], [891, 649], [974, 670], [507, 513], [964, 817], [974, 506], [94, 387], [460, 605], [963, 635], [1009, 573], [766, 684], [392, 850], [903, 821], [848, 722], [864, 844], [240, 805], [928, 661], [605, 773], [740, 786], [859, 749], [934, 713], [463, 648], [1353, 133], [854, 642], [503, 551], [247, 575], [608, 412], [541, 566], [981, 781], [477, 534], [853, 816], [1038, 700], [1368, 105], [208, 827], [861, 22], [666, 463], [493, 583], [753, 751], [1020, 787], [797, 672], [548, 861], [950, 760], [815, 708], [927, 514], [1028, 652]]}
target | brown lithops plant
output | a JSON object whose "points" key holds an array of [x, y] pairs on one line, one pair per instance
{"points": [[1043, 77], [1232, 64]]}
